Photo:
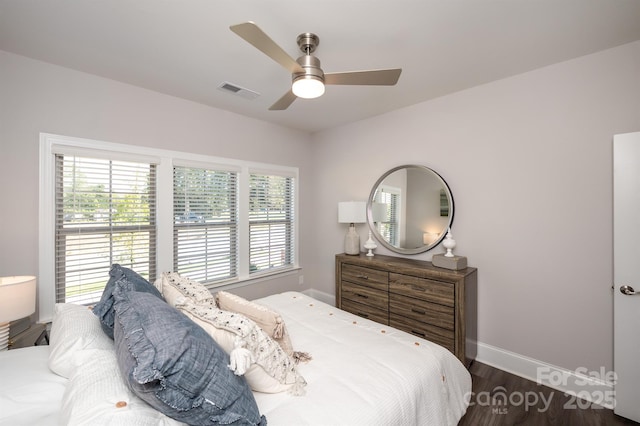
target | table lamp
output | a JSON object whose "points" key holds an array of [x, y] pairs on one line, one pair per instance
{"points": [[17, 300], [352, 212]]}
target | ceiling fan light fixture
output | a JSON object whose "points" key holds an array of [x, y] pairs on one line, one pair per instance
{"points": [[308, 79], [308, 87]]}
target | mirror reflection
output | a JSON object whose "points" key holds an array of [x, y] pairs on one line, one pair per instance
{"points": [[410, 209]]}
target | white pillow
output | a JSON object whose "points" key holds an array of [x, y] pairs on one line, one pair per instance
{"points": [[270, 321], [265, 365], [96, 395], [74, 328], [173, 286]]}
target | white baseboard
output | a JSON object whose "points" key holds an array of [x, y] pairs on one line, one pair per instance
{"points": [[594, 387], [327, 298]]}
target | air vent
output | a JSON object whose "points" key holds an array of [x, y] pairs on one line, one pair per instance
{"points": [[234, 89]]}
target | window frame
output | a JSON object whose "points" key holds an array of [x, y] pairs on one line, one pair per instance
{"points": [[72, 235], [51, 144], [395, 218], [287, 222], [233, 222]]}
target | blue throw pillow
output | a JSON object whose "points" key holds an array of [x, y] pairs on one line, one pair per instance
{"points": [[104, 308], [175, 366]]}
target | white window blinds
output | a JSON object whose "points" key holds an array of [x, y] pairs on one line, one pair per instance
{"points": [[271, 222], [155, 210], [205, 223], [388, 227], [105, 213]]}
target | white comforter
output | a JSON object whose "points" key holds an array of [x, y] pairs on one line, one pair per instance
{"points": [[364, 373], [30, 394]]}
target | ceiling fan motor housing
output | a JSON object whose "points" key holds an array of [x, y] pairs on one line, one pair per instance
{"points": [[311, 66], [307, 42]]}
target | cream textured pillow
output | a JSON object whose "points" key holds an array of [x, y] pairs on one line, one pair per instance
{"points": [[271, 322], [96, 395], [74, 329], [252, 352], [174, 286]]}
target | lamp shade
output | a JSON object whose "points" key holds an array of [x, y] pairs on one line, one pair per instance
{"points": [[428, 238], [352, 212], [17, 297], [308, 87]]}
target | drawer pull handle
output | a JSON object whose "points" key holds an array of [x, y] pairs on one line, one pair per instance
{"points": [[418, 311], [416, 288], [362, 295], [418, 333], [363, 315], [364, 277]]}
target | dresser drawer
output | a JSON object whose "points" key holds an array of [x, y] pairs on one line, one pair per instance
{"points": [[411, 295], [439, 292], [366, 311], [365, 295], [419, 310], [429, 332], [366, 276]]}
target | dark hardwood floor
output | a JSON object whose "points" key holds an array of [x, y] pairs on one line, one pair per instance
{"points": [[528, 403]]}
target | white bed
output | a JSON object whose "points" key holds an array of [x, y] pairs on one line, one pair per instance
{"points": [[30, 394], [361, 373]]}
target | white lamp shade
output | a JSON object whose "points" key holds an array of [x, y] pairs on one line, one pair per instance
{"points": [[308, 87], [428, 238], [352, 212], [17, 297]]}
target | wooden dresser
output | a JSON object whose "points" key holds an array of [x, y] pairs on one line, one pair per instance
{"points": [[414, 296]]}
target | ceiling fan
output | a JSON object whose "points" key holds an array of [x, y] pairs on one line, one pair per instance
{"points": [[308, 79]]}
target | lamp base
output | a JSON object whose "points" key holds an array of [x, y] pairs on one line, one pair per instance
{"points": [[352, 241]]}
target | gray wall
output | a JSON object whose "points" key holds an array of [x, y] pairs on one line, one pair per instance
{"points": [[529, 163], [38, 97], [528, 159]]}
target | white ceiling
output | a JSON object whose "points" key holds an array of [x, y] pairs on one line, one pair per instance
{"points": [[184, 48]]}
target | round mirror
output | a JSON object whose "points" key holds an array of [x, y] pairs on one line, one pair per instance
{"points": [[410, 209]]}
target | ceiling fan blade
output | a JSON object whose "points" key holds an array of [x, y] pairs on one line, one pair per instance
{"points": [[284, 102], [251, 33], [373, 77]]}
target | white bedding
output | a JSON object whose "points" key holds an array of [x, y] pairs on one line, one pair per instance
{"points": [[30, 394], [362, 373]]}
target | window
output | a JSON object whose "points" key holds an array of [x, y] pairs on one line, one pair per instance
{"points": [[388, 228], [104, 214], [270, 222], [218, 221], [205, 224]]}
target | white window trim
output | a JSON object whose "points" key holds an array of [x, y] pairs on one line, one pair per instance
{"points": [[51, 144]]}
